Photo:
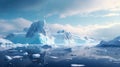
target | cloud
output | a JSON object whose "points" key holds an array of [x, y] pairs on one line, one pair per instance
{"points": [[21, 23], [107, 33], [96, 31], [111, 14], [70, 7], [6, 5], [86, 7], [63, 8], [5, 26], [18, 24], [104, 15]]}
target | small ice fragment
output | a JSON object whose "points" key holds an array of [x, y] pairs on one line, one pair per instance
{"points": [[8, 57], [54, 57], [68, 58], [17, 57], [21, 50], [36, 55], [26, 53], [77, 65]]}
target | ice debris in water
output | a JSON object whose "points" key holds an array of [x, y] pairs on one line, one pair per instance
{"points": [[77, 65], [54, 57], [17, 57], [26, 53], [36, 55], [8, 58]]}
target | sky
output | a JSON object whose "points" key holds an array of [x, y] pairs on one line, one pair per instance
{"points": [[94, 18]]}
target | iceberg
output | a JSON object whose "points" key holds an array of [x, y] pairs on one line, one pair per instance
{"points": [[64, 37], [36, 55], [35, 35], [8, 58], [37, 27]]}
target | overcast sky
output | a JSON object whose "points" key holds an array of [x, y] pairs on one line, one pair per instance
{"points": [[76, 13]]}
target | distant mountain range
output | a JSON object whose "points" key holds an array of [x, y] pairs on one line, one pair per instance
{"points": [[112, 43]]}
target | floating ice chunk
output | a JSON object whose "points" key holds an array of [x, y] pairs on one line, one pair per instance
{"points": [[54, 57], [77, 65], [68, 58], [8, 57], [21, 50], [26, 53], [36, 55], [17, 57]]}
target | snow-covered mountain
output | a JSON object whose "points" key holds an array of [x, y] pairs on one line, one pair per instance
{"points": [[112, 43]]}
